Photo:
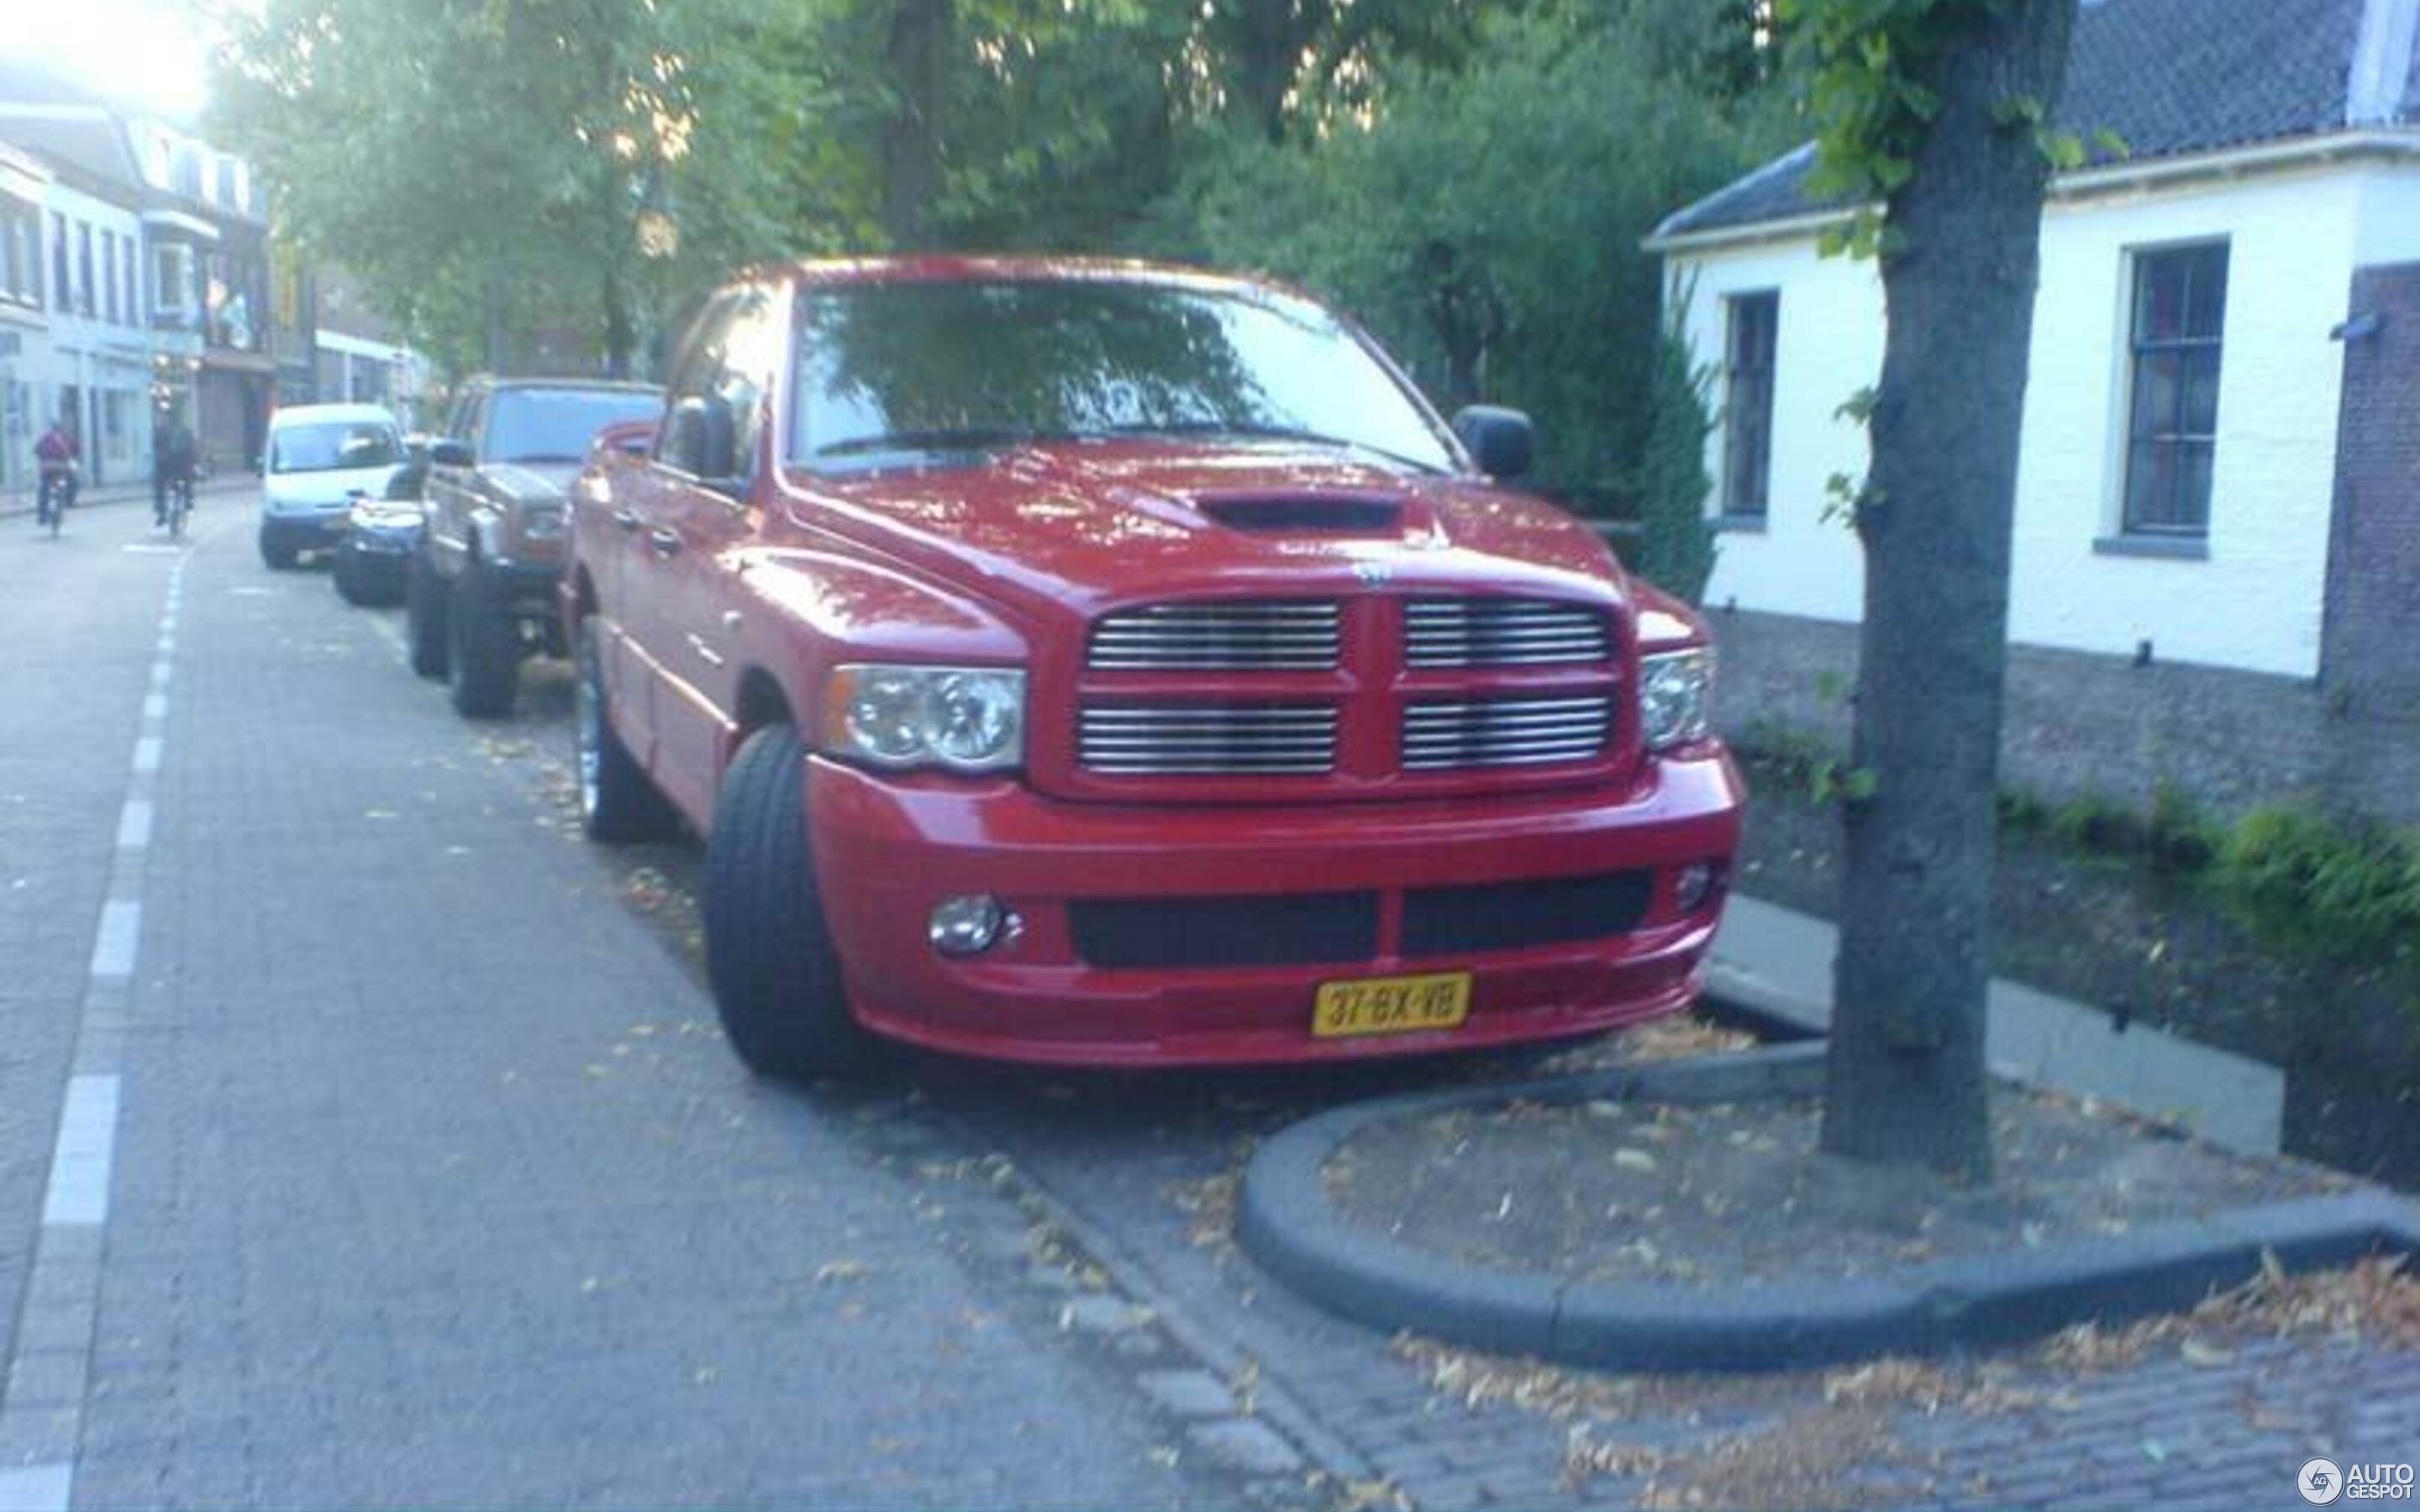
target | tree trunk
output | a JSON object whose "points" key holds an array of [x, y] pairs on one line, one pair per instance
{"points": [[918, 55], [1906, 1079]]}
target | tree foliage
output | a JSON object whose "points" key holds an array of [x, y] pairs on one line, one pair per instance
{"points": [[1487, 224]]}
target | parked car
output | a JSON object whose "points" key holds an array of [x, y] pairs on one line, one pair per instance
{"points": [[318, 462], [479, 591], [1096, 663], [382, 533]]}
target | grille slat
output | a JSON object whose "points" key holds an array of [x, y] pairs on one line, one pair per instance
{"points": [[1200, 740], [1503, 632], [1275, 634], [1444, 735]]}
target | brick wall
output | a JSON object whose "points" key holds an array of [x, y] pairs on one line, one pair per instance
{"points": [[2079, 723], [2369, 650]]}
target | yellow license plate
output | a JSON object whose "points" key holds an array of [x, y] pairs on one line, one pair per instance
{"points": [[1390, 1005]]}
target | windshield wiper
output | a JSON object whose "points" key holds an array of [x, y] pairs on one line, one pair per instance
{"points": [[1251, 431]]}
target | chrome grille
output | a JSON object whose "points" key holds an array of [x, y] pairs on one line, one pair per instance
{"points": [[1207, 739], [1503, 632], [1442, 734], [1249, 635]]}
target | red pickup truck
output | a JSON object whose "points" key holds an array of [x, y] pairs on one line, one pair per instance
{"points": [[1096, 663]]}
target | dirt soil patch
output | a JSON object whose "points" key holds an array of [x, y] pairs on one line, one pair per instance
{"points": [[1608, 1192]]}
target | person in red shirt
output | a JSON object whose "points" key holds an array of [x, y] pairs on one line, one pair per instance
{"points": [[56, 452]]}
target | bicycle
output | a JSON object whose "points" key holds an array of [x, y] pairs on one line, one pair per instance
{"points": [[52, 498], [179, 504]]}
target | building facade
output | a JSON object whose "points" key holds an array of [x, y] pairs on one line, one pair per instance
{"points": [[2215, 578]]}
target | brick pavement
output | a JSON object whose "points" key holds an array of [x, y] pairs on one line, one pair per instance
{"points": [[424, 1197], [434, 1185]]}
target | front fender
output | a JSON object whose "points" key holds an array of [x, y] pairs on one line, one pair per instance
{"points": [[804, 612]]}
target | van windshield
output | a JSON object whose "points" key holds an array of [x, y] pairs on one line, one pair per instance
{"points": [[334, 446]]}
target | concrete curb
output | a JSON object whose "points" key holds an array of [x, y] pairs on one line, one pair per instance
{"points": [[1285, 1222]]}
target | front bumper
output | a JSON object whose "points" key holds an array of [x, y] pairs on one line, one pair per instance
{"points": [[887, 849], [305, 532]]}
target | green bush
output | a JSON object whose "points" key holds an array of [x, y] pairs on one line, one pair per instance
{"points": [[1676, 540], [2342, 892], [2179, 837]]}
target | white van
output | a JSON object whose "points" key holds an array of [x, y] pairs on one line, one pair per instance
{"points": [[319, 460]]}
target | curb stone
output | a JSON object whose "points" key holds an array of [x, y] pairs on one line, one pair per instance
{"points": [[1285, 1222]]}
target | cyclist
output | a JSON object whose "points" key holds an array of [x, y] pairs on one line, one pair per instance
{"points": [[56, 454], [172, 467]]}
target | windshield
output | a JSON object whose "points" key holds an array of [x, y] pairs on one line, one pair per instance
{"points": [[886, 370], [334, 446], [557, 425]]}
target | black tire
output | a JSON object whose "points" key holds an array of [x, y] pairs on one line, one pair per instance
{"points": [[777, 979], [483, 645], [424, 616], [619, 804], [347, 573], [276, 553]]}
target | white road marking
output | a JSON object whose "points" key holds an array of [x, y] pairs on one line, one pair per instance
{"points": [[135, 825], [37, 1488], [147, 754], [78, 1194], [113, 945], [155, 708]]}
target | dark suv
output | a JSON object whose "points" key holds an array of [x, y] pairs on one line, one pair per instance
{"points": [[480, 590]]}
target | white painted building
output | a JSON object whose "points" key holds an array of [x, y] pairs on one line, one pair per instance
{"points": [[101, 350], [2199, 485], [24, 318]]}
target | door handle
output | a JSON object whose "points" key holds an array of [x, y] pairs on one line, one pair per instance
{"points": [[665, 542], [627, 518]]}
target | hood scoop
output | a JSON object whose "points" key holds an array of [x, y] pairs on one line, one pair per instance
{"points": [[1306, 514]]}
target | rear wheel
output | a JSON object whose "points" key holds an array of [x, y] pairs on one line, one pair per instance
{"points": [[618, 801], [424, 615], [776, 975], [483, 650]]}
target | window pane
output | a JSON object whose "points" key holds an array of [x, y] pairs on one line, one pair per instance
{"points": [[2156, 375], [2201, 391], [2193, 460], [2159, 298], [2151, 486], [2206, 309]]}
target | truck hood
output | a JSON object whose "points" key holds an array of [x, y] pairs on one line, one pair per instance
{"points": [[1086, 528], [530, 483]]}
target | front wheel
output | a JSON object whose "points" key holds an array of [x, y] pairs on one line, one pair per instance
{"points": [[483, 652], [424, 616], [277, 554], [618, 802], [776, 975], [347, 577]]}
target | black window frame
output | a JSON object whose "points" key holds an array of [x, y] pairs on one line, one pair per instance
{"points": [[2194, 357], [1748, 385]]}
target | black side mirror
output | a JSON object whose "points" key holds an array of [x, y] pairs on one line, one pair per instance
{"points": [[704, 439], [446, 451], [1500, 440]]}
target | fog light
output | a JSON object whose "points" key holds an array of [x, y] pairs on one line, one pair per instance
{"points": [[965, 926], [1696, 886]]}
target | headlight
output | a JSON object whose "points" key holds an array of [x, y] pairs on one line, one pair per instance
{"points": [[1676, 697], [966, 718]]}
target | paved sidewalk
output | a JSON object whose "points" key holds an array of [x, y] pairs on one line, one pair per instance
{"points": [[1778, 964]]}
